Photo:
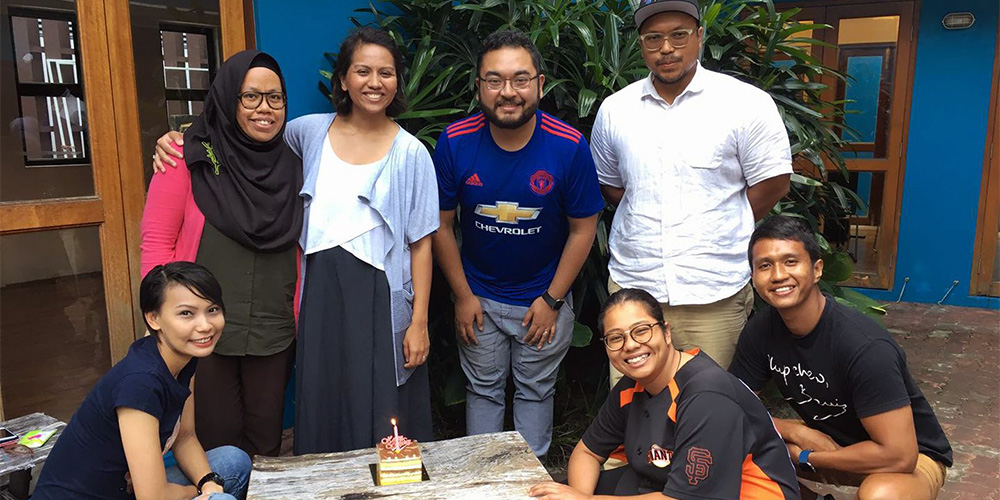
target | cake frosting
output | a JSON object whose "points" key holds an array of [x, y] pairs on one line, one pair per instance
{"points": [[398, 461]]}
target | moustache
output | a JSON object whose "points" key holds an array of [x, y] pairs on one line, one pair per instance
{"points": [[509, 102], [667, 60]]}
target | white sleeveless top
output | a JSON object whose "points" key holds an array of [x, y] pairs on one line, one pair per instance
{"points": [[338, 217]]}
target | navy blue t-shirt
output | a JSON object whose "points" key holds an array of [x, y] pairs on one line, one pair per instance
{"points": [[88, 460], [514, 205]]}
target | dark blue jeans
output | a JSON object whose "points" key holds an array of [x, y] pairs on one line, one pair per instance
{"points": [[230, 462]]}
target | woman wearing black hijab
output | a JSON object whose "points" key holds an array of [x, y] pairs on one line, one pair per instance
{"points": [[236, 210]]}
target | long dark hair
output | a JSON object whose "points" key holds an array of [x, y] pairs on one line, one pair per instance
{"points": [[366, 35], [624, 295], [194, 277]]}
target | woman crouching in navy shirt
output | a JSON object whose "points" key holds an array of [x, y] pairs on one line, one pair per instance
{"points": [[113, 447]]}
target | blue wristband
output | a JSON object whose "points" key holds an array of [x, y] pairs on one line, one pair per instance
{"points": [[804, 456]]}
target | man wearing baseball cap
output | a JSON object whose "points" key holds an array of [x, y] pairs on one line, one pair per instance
{"points": [[691, 158]]}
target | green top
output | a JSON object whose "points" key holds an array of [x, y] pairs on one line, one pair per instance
{"points": [[258, 289]]}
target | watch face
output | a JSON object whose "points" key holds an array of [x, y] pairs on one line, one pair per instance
{"points": [[806, 467]]}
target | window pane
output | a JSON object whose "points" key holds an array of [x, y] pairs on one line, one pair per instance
{"points": [[859, 235], [867, 54], [182, 113], [176, 51], [53, 319], [46, 152], [53, 128], [185, 60]]}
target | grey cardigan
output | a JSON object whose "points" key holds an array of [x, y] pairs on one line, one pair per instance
{"points": [[404, 193]]}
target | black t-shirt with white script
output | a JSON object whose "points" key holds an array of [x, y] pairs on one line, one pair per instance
{"points": [[848, 368]]}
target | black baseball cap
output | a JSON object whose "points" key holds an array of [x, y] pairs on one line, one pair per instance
{"points": [[649, 8]]}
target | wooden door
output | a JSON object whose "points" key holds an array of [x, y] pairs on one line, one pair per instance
{"points": [[874, 43], [986, 260], [73, 188]]}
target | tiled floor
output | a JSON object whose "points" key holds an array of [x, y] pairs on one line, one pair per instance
{"points": [[953, 354]]}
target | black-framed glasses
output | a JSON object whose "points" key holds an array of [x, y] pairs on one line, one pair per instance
{"points": [[519, 82], [639, 333], [678, 39], [252, 100]]}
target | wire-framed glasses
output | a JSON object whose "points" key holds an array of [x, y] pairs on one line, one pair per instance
{"points": [[654, 41], [519, 82]]}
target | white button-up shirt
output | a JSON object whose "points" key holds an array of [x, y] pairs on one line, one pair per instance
{"points": [[682, 228]]}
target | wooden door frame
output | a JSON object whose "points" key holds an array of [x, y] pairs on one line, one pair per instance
{"points": [[892, 192], [989, 198], [236, 34], [104, 209], [116, 158]]}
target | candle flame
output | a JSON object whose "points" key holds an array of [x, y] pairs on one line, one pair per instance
{"points": [[393, 421]]}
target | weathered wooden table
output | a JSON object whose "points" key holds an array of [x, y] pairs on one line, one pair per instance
{"points": [[489, 466], [17, 460]]}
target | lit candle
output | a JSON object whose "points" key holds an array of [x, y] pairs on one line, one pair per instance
{"points": [[395, 433]]}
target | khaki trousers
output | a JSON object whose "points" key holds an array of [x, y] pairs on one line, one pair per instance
{"points": [[714, 328]]}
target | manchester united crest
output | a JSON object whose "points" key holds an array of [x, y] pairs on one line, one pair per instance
{"points": [[541, 182]]}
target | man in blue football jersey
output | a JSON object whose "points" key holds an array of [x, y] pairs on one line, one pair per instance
{"points": [[529, 199]]}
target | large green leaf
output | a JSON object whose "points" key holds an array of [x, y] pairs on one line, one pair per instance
{"points": [[837, 267], [582, 335], [454, 387]]}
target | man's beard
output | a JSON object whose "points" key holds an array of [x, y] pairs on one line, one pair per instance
{"points": [[511, 123], [669, 81]]}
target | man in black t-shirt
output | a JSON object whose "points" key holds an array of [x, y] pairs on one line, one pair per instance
{"points": [[864, 420]]}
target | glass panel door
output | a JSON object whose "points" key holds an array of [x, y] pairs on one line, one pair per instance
{"points": [[61, 230], [176, 51], [872, 43]]}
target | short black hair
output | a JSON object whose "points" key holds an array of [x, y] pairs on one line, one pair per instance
{"points": [[624, 295], [194, 277], [509, 38], [366, 35], [783, 227]]}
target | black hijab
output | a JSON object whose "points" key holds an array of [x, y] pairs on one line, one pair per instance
{"points": [[248, 190]]}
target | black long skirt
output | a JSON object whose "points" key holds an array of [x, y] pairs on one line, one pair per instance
{"points": [[346, 384]]}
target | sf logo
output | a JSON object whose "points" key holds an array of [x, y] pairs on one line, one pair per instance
{"points": [[699, 460]]}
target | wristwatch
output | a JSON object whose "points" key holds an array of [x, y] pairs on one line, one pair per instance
{"points": [[213, 477], [555, 304], [804, 464]]}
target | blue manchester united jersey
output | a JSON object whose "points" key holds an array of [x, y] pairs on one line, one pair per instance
{"points": [[514, 205]]}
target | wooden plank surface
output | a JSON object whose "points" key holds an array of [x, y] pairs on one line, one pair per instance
{"points": [[22, 458], [495, 466]]}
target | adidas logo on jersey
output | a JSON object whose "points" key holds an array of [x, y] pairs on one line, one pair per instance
{"points": [[474, 181]]}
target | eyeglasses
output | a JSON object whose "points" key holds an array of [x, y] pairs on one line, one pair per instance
{"points": [[252, 100], [640, 333], [517, 83], [678, 39]]}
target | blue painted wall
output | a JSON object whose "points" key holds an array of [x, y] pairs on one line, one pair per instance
{"points": [[297, 33], [944, 158]]}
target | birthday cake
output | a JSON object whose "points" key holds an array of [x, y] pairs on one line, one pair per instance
{"points": [[398, 461]]}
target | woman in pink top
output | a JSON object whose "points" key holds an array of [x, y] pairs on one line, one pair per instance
{"points": [[233, 206]]}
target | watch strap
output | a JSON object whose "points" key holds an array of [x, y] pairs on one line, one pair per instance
{"points": [[554, 303], [804, 461], [213, 477]]}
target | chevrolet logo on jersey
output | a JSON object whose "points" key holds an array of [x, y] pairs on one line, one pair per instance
{"points": [[507, 212]]}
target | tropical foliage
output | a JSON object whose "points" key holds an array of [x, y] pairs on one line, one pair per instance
{"points": [[590, 51]]}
